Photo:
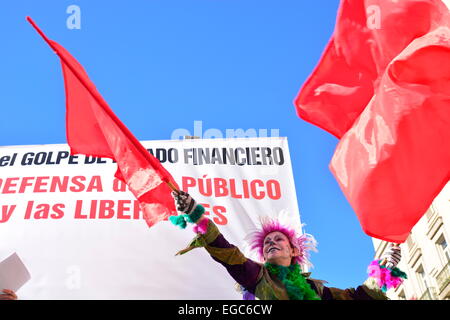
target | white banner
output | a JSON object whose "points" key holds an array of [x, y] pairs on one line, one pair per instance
{"points": [[81, 235]]}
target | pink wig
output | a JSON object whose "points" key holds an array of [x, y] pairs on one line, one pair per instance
{"points": [[304, 242]]}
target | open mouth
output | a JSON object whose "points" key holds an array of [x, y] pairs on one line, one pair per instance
{"points": [[273, 249]]}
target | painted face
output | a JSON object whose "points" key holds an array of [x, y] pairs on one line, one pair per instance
{"points": [[277, 248]]}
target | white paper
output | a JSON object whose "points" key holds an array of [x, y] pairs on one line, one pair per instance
{"points": [[13, 273]]}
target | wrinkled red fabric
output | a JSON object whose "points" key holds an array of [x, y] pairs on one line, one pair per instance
{"points": [[386, 94], [395, 159], [367, 36], [94, 130]]}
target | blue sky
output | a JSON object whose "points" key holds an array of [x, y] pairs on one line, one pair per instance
{"points": [[163, 64]]}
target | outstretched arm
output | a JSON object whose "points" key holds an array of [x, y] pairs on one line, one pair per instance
{"points": [[245, 271]]}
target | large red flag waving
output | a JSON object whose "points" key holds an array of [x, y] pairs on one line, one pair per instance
{"points": [[383, 88], [94, 130], [395, 159], [367, 36]]}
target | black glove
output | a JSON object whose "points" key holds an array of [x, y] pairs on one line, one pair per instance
{"points": [[184, 202]]}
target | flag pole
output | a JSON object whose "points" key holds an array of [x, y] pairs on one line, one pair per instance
{"points": [[105, 107]]}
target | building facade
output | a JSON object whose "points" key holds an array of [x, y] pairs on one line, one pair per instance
{"points": [[425, 255]]}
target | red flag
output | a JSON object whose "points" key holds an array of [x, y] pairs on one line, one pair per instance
{"points": [[94, 130], [368, 35], [395, 159], [386, 93]]}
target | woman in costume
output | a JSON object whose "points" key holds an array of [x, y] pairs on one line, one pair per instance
{"points": [[282, 251]]}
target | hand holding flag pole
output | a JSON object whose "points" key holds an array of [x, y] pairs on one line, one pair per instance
{"points": [[385, 271], [93, 129]]}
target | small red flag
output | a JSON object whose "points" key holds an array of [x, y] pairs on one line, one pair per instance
{"points": [[94, 130], [383, 87]]}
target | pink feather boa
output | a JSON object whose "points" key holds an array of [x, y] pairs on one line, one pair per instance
{"points": [[202, 226], [384, 277]]}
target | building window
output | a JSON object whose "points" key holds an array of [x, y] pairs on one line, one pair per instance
{"points": [[430, 212], [443, 249], [443, 277], [421, 279], [410, 243], [425, 291]]}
